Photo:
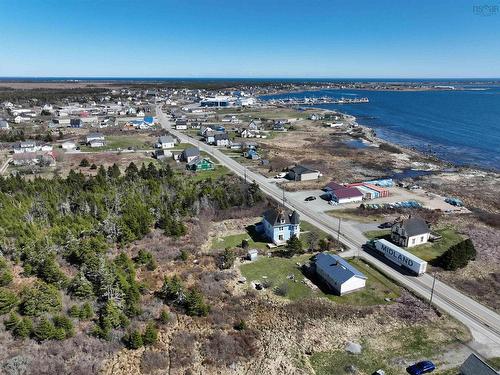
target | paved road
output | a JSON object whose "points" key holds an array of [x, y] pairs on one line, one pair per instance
{"points": [[4, 166], [483, 323]]}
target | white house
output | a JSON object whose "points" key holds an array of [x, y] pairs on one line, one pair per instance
{"points": [[95, 140], [410, 232], [339, 274], [67, 146], [166, 141], [279, 225], [4, 125], [26, 146], [221, 140]]}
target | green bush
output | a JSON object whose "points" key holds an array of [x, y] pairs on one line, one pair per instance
{"points": [[150, 335], [39, 299], [457, 256], [133, 339], [8, 301]]}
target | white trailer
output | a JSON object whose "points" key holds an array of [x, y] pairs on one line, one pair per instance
{"points": [[401, 257]]}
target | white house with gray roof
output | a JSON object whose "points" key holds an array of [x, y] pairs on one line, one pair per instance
{"points": [[166, 141], [410, 232], [338, 274]]}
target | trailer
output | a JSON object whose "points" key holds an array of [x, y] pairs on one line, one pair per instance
{"points": [[400, 257]]}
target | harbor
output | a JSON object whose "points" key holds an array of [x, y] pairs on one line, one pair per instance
{"points": [[316, 101]]}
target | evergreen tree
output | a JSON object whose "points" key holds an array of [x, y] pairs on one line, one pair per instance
{"points": [[294, 245], [195, 304], [80, 287], [84, 163], [133, 339], [150, 334], [164, 317], [45, 330], [457, 256], [8, 301]]}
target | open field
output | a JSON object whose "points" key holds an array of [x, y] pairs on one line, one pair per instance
{"points": [[430, 250], [278, 272], [349, 214], [393, 351]]}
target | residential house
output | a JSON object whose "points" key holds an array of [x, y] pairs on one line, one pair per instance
{"points": [[474, 365], [251, 154], [4, 125], [254, 125], [95, 140], [162, 154], [56, 123], [247, 133], [76, 123], [190, 154], [338, 274], [410, 232], [200, 164], [302, 173], [166, 141], [68, 145], [279, 225], [221, 140], [26, 146], [181, 124], [34, 158]]}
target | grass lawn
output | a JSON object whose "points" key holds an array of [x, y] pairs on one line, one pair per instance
{"points": [[348, 214], [306, 227], [384, 352], [115, 142], [215, 174], [428, 251], [378, 287], [254, 240]]}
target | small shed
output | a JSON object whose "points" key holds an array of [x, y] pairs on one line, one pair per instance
{"points": [[252, 254]]}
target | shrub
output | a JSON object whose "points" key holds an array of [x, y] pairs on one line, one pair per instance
{"points": [[195, 304], [5, 273], [84, 163], [39, 299], [164, 317], [294, 245], [133, 339], [150, 334], [457, 256], [240, 326], [8, 301], [45, 330], [282, 290], [227, 259]]}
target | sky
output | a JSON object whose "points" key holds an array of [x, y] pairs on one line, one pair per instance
{"points": [[250, 38]]}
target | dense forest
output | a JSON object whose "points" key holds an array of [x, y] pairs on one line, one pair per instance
{"points": [[62, 242]]}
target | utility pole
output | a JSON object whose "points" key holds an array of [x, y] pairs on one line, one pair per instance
{"points": [[245, 172], [283, 203], [432, 290]]}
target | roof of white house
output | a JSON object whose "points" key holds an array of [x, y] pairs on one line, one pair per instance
{"points": [[337, 268]]}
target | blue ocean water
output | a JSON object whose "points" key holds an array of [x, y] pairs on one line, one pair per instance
{"points": [[460, 126]]}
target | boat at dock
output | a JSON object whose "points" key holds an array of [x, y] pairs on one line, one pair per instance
{"points": [[316, 100]]}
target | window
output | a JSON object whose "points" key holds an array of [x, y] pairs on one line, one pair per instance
{"points": [[280, 237], [413, 241], [422, 239]]}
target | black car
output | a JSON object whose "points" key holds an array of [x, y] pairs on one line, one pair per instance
{"points": [[311, 198], [385, 225]]}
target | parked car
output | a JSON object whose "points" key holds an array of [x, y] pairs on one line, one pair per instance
{"points": [[419, 368], [379, 372], [311, 198], [387, 224]]}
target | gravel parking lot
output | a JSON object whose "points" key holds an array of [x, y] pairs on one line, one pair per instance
{"points": [[428, 200]]}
